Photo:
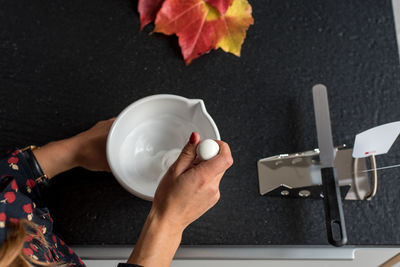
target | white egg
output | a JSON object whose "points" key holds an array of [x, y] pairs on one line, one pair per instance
{"points": [[207, 149]]}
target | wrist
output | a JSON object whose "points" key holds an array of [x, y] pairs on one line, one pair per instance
{"points": [[73, 149], [56, 157], [164, 222], [70, 150]]}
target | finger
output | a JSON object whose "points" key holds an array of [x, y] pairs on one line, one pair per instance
{"points": [[109, 123], [219, 164], [187, 156]]}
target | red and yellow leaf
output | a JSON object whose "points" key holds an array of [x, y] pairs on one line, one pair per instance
{"points": [[148, 11]]}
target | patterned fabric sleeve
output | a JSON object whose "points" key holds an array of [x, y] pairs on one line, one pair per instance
{"points": [[14, 165]]}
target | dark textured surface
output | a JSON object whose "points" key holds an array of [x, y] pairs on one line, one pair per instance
{"points": [[66, 64]]}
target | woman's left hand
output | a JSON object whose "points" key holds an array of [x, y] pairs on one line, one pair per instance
{"points": [[86, 149]]}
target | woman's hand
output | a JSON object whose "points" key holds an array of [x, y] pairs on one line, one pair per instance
{"points": [[186, 192], [188, 189], [86, 149]]}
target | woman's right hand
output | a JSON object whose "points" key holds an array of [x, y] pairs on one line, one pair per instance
{"points": [[187, 191], [190, 188]]}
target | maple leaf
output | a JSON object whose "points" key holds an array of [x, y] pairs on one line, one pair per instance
{"points": [[148, 11], [200, 27]]}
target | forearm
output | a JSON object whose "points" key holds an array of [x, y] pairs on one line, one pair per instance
{"points": [[58, 156], [157, 243]]}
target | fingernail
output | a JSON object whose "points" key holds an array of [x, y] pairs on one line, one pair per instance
{"points": [[192, 139]]}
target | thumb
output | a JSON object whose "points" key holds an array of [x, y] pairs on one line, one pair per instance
{"points": [[188, 154]]}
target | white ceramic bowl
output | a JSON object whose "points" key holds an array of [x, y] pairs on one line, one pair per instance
{"points": [[148, 135]]}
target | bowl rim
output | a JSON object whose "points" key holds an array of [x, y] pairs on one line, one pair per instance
{"points": [[133, 105]]}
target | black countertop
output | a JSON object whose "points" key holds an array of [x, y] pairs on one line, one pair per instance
{"points": [[66, 64]]}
